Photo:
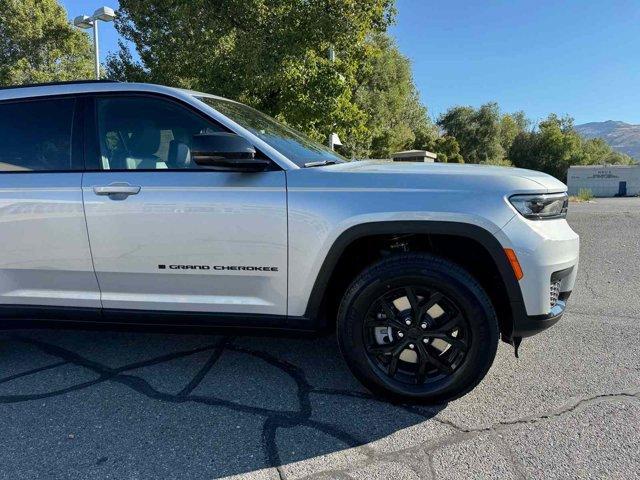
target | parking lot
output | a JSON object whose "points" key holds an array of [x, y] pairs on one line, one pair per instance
{"points": [[147, 405]]}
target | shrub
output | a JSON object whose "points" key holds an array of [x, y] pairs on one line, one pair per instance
{"points": [[585, 194]]}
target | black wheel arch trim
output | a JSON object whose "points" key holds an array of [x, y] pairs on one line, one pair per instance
{"points": [[467, 230]]}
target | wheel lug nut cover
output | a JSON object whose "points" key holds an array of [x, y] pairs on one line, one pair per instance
{"points": [[412, 346], [400, 334], [424, 325], [408, 322], [425, 340]]}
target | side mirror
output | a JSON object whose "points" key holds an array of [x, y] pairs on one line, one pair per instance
{"points": [[225, 152]]}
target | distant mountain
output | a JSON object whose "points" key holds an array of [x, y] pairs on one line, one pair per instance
{"points": [[623, 137]]}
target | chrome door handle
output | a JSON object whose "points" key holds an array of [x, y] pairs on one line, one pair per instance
{"points": [[117, 189]]}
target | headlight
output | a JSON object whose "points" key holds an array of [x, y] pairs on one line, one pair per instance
{"points": [[541, 206]]}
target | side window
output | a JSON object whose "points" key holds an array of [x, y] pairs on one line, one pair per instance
{"points": [[144, 133], [35, 136]]}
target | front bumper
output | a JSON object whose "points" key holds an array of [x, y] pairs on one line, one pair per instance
{"points": [[527, 325], [548, 252]]}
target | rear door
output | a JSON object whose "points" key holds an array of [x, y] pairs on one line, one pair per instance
{"points": [[167, 235], [44, 256]]}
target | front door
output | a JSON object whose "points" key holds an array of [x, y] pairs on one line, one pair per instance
{"points": [[168, 235]]}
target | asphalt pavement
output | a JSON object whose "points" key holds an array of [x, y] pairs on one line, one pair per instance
{"points": [[118, 405]]}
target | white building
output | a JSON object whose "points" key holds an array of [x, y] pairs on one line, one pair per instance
{"points": [[604, 180]]}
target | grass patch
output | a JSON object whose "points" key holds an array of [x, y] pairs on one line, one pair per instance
{"points": [[584, 195]]}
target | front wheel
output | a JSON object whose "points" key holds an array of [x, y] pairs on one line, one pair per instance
{"points": [[417, 328]]}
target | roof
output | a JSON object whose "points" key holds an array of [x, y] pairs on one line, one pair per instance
{"points": [[91, 86], [605, 166], [47, 84], [414, 153]]}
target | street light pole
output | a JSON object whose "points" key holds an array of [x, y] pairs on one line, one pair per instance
{"points": [[85, 22], [96, 49], [333, 137]]}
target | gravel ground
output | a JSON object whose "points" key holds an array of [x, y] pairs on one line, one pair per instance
{"points": [[154, 406]]}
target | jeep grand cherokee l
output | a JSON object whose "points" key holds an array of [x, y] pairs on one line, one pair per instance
{"points": [[129, 203]]}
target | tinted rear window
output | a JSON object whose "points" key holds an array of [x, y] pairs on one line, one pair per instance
{"points": [[36, 135]]}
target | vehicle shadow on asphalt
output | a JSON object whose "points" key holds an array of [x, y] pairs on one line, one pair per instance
{"points": [[210, 405]]}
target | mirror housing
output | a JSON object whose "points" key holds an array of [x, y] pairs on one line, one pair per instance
{"points": [[225, 152]]}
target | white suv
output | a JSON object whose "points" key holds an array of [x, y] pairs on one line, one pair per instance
{"points": [[142, 204]]}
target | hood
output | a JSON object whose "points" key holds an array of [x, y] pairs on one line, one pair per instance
{"points": [[456, 175]]}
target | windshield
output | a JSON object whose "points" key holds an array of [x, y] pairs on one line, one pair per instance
{"points": [[294, 145]]}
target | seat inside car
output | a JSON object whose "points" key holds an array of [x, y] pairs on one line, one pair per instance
{"points": [[142, 146], [179, 155]]}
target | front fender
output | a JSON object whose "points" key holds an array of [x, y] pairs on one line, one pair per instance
{"points": [[471, 231]]}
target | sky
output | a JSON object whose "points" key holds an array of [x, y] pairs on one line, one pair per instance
{"points": [[580, 58]]}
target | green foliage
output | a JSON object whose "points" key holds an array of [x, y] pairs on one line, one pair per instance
{"points": [[446, 147], [555, 146], [37, 44], [485, 134], [499, 162], [273, 55], [510, 126], [396, 120], [599, 152], [477, 132], [585, 194]]}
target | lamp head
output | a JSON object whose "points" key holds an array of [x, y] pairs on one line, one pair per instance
{"points": [[83, 21], [106, 14]]}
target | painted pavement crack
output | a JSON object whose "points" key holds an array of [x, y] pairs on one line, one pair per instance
{"points": [[274, 419], [206, 368], [33, 371]]}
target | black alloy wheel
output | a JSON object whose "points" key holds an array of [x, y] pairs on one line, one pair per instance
{"points": [[417, 328], [416, 335]]}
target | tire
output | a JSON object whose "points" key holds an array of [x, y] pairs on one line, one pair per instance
{"points": [[404, 362]]}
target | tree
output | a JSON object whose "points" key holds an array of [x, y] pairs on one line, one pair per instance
{"points": [[271, 54], [395, 118], [484, 134], [510, 126], [551, 149], [599, 152], [556, 145], [37, 44], [446, 147], [477, 132]]}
